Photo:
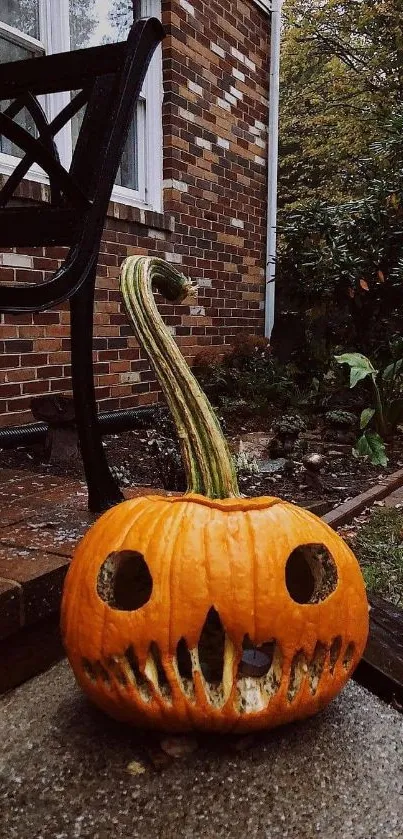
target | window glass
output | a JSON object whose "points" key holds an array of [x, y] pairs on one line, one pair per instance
{"points": [[94, 22], [24, 16], [25, 120], [21, 14]]}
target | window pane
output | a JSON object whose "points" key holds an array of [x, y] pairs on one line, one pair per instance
{"points": [[25, 120], [128, 170], [14, 52], [94, 22], [21, 14]]}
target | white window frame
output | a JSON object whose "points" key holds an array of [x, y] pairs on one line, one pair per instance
{"points": [[55, 37]]}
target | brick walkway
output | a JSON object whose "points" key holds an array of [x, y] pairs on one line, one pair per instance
{"points": [[42, 518]]}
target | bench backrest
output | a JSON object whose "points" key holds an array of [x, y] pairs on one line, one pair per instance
{"points": [[107, 80]]}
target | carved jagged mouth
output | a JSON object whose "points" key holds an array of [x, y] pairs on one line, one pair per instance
{"points": [[250, 676]]}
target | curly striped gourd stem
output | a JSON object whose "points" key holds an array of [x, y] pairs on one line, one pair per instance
{"points": [[208, 463]]}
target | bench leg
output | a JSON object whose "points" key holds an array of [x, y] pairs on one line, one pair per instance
{"points": [[103, 491]]}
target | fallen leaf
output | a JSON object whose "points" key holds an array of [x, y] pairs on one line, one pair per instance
{"points": [[178, 746], [135, 768]]}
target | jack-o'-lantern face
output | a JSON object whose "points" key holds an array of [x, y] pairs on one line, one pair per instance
{"points": [[237, 614]]}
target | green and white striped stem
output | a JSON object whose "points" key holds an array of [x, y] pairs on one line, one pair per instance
{"points": [[208, 463]]}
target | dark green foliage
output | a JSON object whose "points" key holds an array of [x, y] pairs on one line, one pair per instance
{"points": [[289, 425], [341, 79], [341, 419], [244, 377], [340, 266], [386, 411]]}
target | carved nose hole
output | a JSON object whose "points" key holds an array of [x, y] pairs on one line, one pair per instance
{"points": [[310, 574], [211, 647], [124, 581]]}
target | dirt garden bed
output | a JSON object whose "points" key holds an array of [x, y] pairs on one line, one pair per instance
{"points": [[142, 458]]}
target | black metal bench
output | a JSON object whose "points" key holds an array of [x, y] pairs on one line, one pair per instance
{"points": [[109, 80]]}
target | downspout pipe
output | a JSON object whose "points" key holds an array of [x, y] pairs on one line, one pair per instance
{"points": [[272, 166]]}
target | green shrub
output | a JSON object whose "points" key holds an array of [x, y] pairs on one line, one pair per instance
{"points": [[340, 266], [244, 376]]}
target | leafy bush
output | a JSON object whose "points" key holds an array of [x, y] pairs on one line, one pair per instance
{"points": [[244, 376], [340, 266], [387, 410]]}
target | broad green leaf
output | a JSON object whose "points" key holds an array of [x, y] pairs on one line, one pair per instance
{"points": [[372, 446], [392, 369], [366, 417], [360, 366], [355, 359], [356, 375]]}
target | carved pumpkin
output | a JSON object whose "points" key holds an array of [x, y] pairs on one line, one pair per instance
{"points": [[208, 610]]}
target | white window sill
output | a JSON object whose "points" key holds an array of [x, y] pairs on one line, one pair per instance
{"points": [[120, 194]]}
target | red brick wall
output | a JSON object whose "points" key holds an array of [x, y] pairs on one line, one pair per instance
{"points": [[215, 66]]}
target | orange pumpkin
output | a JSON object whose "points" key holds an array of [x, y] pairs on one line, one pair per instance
{"points": [[208, 610]]}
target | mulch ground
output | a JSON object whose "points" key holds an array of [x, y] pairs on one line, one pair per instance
{"points": [[135, 463]]}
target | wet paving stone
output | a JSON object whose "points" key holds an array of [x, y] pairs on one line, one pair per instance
{"points": [[40, 577], [65, 772]]}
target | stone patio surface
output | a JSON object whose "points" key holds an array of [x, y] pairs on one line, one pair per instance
{"points": [[64, 774]]}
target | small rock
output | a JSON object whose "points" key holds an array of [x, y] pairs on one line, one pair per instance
{"points": [[314, 462], [178, 747], [276, 465]]}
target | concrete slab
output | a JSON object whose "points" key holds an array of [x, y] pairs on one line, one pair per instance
{"points": [[64, 775]]}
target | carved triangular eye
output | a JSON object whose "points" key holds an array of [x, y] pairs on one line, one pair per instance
{"points": [[211, 647], [124, 581]]}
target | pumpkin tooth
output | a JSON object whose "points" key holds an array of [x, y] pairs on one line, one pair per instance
{"points": [[114, 663], [136, 676], [272, 680], [98, 672], [255, 692], [89, 669], [251, 697], [335, 650], [155, 672], [228, 669], [316, 666], [298, 671], [348, 655]]}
